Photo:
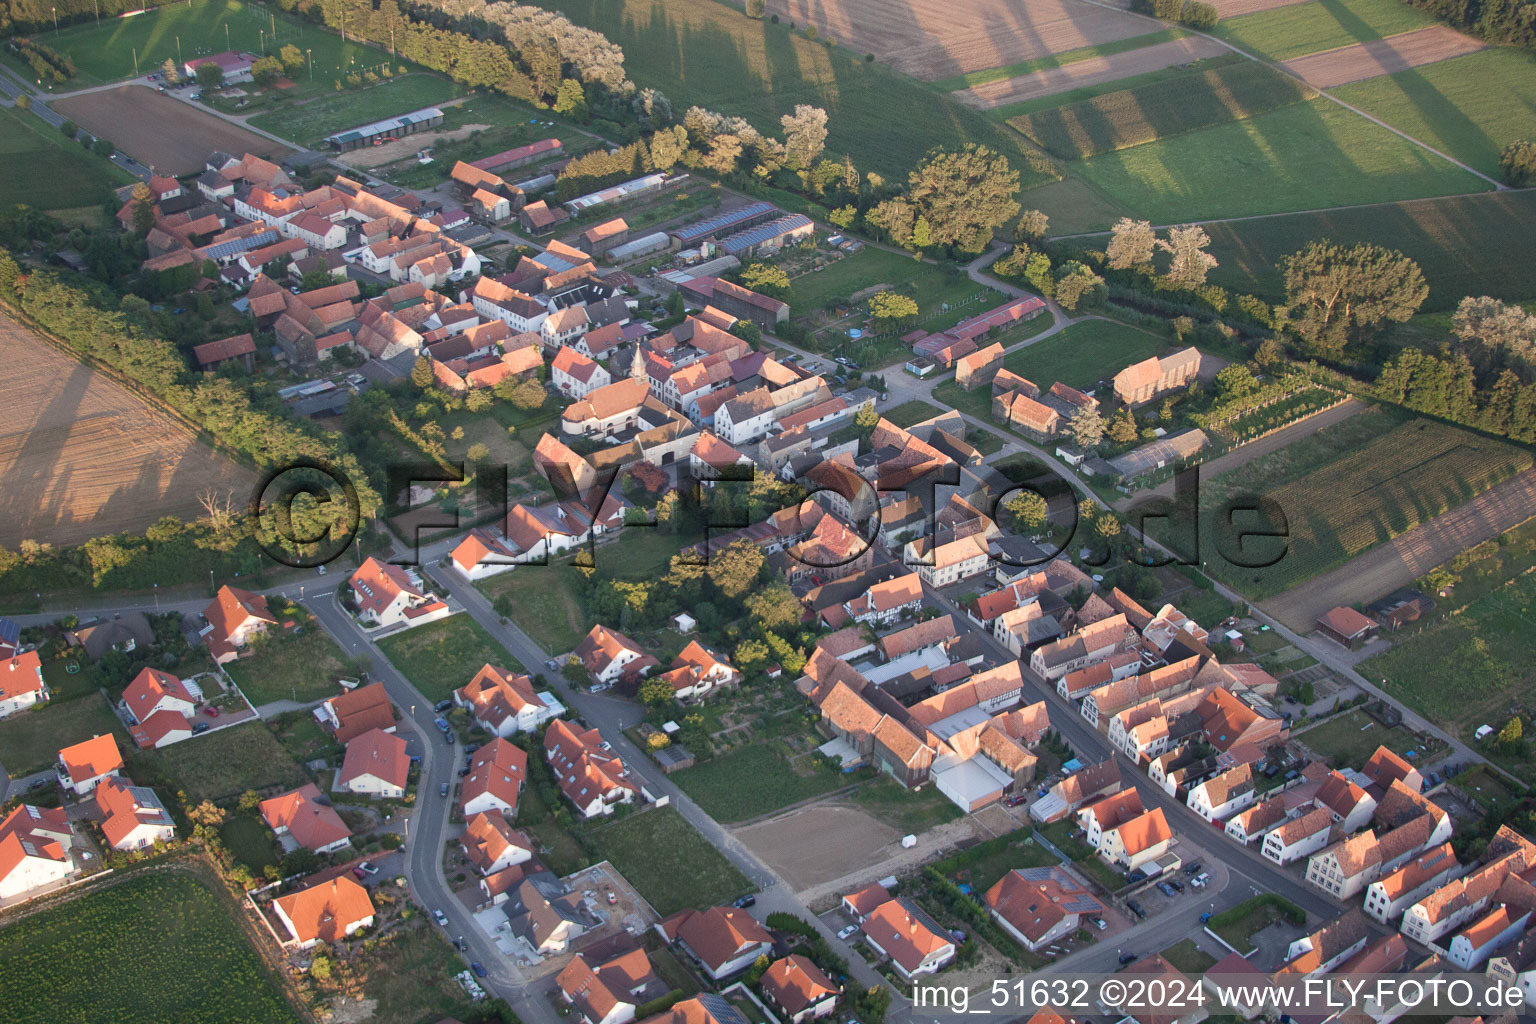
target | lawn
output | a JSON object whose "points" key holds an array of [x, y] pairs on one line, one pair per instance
{"points": [[711, 54], [106, 52], [75, 177], [1472, 659], [310, 122], [30, 741], [872, 268], [442, 656], [1286, 32], [915, 411], [1189, 958], [1487, 790], [152, 947], [251, 841], [1469, 245], [1350, 739], [1128, 117], [1362, 496], [219, 766], [667, 861], [751, 781], [1304, 156], [901, 808], [984, 864], [1056, 60], [1081, 355], [1470, 107], [545, 602], [286, 667]]}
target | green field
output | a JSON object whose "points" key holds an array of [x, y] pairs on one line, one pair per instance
{"points": [[1286, 32], [1056, 60], [1305, 156], [875, 268], [151, 948], [1365, 494], [666, 859], [1129, 117], [1082, 354], [301, 668], [75, 177], [707, 53], [1470, 107], [308, 123], [1448, 666], [545, 603], [750, 781], [30, 741], [221, 765], [906, 810], [915, 411], [105, 52], [1351, 738], [1469, 245], [251, 841], [442, 656], [1148, 79]]}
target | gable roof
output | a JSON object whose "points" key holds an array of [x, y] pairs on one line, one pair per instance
{"points": [[324, 912], [498, 768], [311, 823], [1035, 900], [796, 983], [905, 933], [379, 754], [717, 935], [488, 836], [90, 758], [30, 831], [361, 710]]}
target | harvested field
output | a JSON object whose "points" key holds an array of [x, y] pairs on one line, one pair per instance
{"points": [[1411, 555], [934, 39], [83, 457], [1159, 110], [1233, 8], [1383, 56], [814, 845], [160, 132], [1092, 71]]}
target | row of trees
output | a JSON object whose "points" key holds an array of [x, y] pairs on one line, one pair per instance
{"points": [[1512, 22]]}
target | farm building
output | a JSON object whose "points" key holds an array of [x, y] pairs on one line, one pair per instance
{"points": [[774, 234], [639, 247], [213, 354], [1347, 627], [368, 134], [1162, 452], [521, 155], [599, 238], [736, 300], [1144, 381], [617, 193], [1006, 315], [723, 223], [236, 66]]}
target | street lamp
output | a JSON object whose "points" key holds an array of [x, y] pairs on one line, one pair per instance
{"points": [[55, 21]]}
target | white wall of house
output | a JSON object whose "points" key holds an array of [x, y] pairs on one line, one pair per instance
{"points": [[373, 787]]}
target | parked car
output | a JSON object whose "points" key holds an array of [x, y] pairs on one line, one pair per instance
{"points": [[1016, 799], [211, 711], [1201, 880], [746, 901], [1193, 869], [201, 727], [441, 918], [441, 723], [613, 898], [1135, 908], [848, 932], [360, 873], [1100, 923], [368, 867], [442, 790], [320, 570], [1177, 885], [441, 706], [1166, 889], [1205, 917], [478, 968], [1128, 958]]}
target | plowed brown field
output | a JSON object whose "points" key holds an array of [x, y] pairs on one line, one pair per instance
{"points": [[82, 457], [160, 132], [934, 39], [1382, 56]]}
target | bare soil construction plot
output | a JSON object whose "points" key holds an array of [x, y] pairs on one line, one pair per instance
{"points": [[82, 457], [160, 132], [389, 152], [1089, 72], [1405, 558], [934, 39], [1382, 56]]}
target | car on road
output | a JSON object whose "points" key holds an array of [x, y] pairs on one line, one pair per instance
{"points": [[441, 918], [550, 664], [441, 723], [442, 790], [848, 932], [1205, 917], [478, 968], [1128, 958], [745, 901]]}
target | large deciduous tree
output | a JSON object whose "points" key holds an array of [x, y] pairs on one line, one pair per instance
{"points": [[1130, 244], [1336, 292], [1086, 428], [805, 133], [964, 195], [1190, 262]]}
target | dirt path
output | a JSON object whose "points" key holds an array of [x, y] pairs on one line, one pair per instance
{"points": [[1244, 454], [1089, 72], [1404, 559], [1382, 56]]}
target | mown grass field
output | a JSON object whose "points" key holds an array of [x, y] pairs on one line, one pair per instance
{"points": [[868, 268], [750, 781], [105, 52], [31, 741], [1087, 92], [1371, 490], [220, 765], [75, 177], [708, 53], [666, 859], [301, 668], [1470, 107], [442, 656], [153, 947], [308, 123], [1081, 354], [1353, 737], [1468, 245], [1056, 60], [1285, 32], [1144, 113], [1304, 156]]}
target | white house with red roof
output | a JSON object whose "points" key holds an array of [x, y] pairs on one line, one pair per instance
{"points": [[35, 845], [505, 702], [799, 988], [723, 940], [300, 819], [85, 765], [376, 766], [234, 617], [610, 655], [153, 690], [161, 729], [389, 596], [697, 672], [590, 775], [325, 912], [135, 819], [492, 844], [575, 375], [495, 779], [483, 553], [21, 682], [902, 931]]}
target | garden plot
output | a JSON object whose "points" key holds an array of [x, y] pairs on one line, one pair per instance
{"points": [[1382, 56]]}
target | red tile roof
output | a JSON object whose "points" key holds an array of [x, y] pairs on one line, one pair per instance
{"points": [[89, 758], [324, 912], [361, 710], [379, 754]]}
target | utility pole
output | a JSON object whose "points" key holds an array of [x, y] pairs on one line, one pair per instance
{"points": [[135, 50]]}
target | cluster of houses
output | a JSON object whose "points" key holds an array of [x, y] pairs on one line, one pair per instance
{"points": [[944, 349]]}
